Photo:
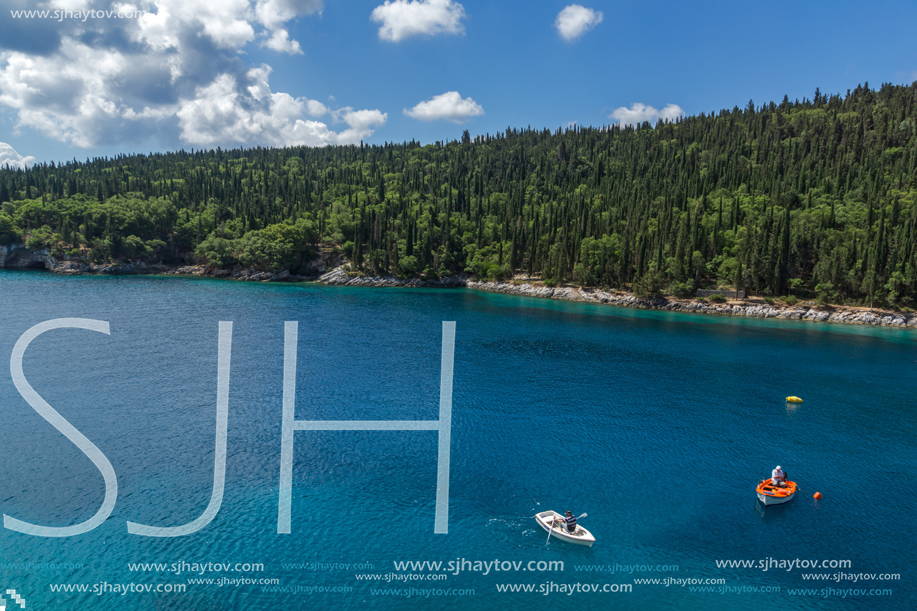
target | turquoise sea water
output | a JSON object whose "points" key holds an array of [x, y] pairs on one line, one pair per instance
{"points": [[656, 424]]}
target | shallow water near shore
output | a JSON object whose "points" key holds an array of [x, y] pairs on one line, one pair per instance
{"points": [[657, 424]]}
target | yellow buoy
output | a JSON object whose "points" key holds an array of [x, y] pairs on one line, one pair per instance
{"points": [[793, 400], [818, 495]]}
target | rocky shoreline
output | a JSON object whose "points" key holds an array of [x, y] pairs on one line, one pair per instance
{"points": [[17, 257], [837, 314], [26, 259]]}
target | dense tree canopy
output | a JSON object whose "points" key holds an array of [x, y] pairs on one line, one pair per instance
{"points": [[817, 197]]}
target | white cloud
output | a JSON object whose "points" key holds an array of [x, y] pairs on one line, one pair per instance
{"points": [[638, 113], [220, 114], [281, 42], [575, 20], [9, 156], [402, 19], [448, 106], [66, 95], [316, 108], [230, 24], [227, 23], [176, 75], [71, 5], [359, 124], [273, 14]]}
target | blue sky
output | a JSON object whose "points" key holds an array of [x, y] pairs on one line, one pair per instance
{"points": [[201, 74]]}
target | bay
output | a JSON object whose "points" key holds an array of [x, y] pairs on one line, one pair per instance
{"points": [[656, 424]]}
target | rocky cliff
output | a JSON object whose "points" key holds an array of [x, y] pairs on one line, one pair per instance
{"points": [[20, 257]]}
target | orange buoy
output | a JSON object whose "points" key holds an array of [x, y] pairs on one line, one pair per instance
{"points": [[818, 495]]}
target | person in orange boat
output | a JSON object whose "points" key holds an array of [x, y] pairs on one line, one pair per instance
{"points": [[778, 477]]}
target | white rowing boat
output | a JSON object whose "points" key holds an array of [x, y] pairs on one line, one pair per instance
{"points": [[554, 522]]}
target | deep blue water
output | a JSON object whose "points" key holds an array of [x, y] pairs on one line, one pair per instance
{"points": [[656, 424]]}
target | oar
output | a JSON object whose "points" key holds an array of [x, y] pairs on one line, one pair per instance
{"points": [[550, 530]]}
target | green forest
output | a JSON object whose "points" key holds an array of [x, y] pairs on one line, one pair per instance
{"points": [[810, 199]]}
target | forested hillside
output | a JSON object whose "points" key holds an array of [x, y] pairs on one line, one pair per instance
{"points": [[812, 197]]}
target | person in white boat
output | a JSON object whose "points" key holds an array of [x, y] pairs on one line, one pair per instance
{"points": [[778, 477], [570, 521]]}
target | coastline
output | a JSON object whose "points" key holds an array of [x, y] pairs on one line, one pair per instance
{"points": [[837, 314], [339, 277]]}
